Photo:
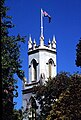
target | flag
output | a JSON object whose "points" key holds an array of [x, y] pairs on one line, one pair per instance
{"points": [[47, 15]]}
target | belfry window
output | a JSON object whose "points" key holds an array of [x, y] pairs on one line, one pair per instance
{"points": [[50, 67], [34, 70]]}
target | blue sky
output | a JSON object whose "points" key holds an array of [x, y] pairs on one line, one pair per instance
{"points": [[65, 25]]}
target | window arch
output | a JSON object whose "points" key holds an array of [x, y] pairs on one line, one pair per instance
{"points": [[32, 107], [50, 67], [34, 70]]}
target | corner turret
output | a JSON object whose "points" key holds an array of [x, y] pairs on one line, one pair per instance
{"points": [[54, 43], [30, 43], [34, 44], [41, 41], [49, 43]]}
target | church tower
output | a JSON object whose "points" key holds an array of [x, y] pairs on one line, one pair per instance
{"points": [[42, 60], [42, 66]]}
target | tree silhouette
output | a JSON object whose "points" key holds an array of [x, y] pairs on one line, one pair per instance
{"points": [[78, 54], [10, 63]]}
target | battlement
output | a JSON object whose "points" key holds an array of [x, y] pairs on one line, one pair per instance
{"points": [[33, 46]]}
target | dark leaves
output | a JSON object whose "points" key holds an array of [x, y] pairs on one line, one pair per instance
{"points": [[78, 54], [60, 98], [10, 63]]}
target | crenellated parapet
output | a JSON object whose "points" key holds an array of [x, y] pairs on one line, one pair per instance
{"points": [[52, 44], [33, 46]]}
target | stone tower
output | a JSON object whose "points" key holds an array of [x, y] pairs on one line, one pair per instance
{"points": [[42, 65]]}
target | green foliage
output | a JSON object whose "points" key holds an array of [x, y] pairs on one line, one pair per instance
{"points": [[60, 98], [68, 105], [10, 61], [78, 54], [17, 114]]}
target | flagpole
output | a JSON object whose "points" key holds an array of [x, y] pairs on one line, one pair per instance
{"points": [[41, 23]]}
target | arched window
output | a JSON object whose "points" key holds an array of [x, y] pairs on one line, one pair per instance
{"points": [[50, 65], [33, 106], [34, 70], [50, 68]]}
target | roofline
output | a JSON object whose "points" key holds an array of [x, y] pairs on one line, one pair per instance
{"points": [[41, 49]]}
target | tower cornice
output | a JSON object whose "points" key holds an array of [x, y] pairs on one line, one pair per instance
{"points": [[44, 48]]}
